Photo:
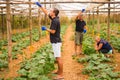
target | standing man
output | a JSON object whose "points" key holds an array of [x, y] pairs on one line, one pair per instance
{"points": [[79, 31], [54, 37]]}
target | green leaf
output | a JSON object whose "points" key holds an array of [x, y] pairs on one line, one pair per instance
{"points": [[33, 74], [23, 72], [43, 78], [19, 78]]}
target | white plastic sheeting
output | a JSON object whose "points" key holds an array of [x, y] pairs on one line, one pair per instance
{"points": [[67, 8]]}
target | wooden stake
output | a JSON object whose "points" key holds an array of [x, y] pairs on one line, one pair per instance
{"points": [[21, 18], [114, 14], [98, 21], [39, 22], [2, 18], [45, 20], [93, 20], [9, 33], [108, 30], [30, 23], [89, 17], [13, 19]]}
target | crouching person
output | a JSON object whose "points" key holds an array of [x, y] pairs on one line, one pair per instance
{"points": [[103, 47]]}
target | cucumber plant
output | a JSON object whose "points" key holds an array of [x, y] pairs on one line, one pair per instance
{"points": [[39, 66], [97, 68]]}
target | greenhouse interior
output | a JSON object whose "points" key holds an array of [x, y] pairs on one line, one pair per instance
{"points": [[30, 31]]}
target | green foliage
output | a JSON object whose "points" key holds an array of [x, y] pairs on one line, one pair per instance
{"points": [[3, 59], [41, 63], [3, 63], [19, 78], [35, 35], [19, 47], [64, 20], [96, 65], [1, 78], [63, 29], [88, 47], [98, 69], [21, 43], [3, 43], [95, 57], [20, 22], [115, 41], [18, 37]]}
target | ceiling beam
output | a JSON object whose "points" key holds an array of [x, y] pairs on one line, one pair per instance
{"points": [[59, 2]]}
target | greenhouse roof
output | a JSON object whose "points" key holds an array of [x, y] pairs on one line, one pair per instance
{"points": [[69, 7]]}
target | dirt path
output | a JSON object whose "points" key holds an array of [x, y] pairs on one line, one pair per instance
{"points": [[117, 61], [72, 69], [15, 64]]}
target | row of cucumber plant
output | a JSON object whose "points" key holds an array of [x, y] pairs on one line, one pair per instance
{"points": [[4, 59], [88, 45], [98, 67], [38, 66], [22, 44], [35, 32], [19, 36], [17, 48], [35, 35], [63, 29], [114, 38], [115, 42]]}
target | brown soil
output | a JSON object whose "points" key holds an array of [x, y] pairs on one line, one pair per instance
{"points": [[72, 69], [117, 61]]}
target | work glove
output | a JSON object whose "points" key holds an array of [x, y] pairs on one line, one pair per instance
{"points": [[38, 4], [84, 30], [43, 28], [83, 10]]}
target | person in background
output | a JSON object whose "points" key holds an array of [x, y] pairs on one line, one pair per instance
{"points": [[79, 31], [54, 37], [103, 46]]}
